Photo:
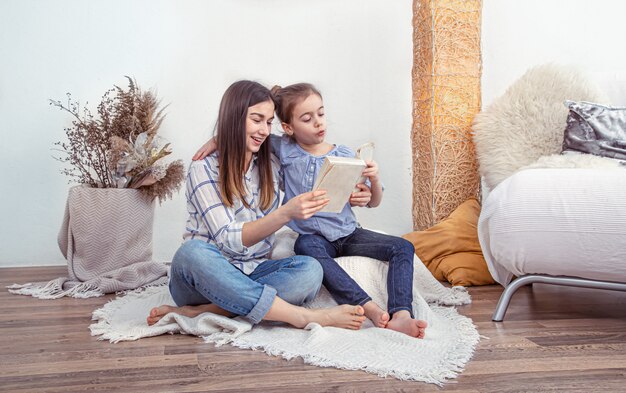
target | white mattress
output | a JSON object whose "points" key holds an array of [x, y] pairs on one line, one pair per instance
{"points": [[560, 222]]}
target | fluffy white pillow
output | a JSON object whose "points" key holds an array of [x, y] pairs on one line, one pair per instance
{"points": [[528, 121]]}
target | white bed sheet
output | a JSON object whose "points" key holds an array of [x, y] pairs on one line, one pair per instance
{"points": [[560, 222]]}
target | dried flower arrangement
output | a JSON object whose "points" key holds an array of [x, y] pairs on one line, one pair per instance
{"points": [[120, 147]]}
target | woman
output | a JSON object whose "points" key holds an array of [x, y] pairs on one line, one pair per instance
{"points": [[232, 199]]}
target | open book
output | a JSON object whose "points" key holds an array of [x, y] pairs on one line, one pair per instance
{"points": [[339, 176]]}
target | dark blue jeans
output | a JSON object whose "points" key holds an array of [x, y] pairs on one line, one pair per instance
{"points": [[361, 242]]}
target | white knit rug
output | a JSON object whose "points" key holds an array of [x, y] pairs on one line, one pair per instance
{"points": [[448, 346]]}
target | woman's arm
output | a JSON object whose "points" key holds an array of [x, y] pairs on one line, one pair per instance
{"points": [[236, 236], [208, 215], [300, 207]]}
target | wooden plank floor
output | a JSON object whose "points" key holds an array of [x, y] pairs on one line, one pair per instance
{"points": [[553, 339]]}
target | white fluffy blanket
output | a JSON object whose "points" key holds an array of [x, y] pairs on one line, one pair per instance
{"points": [[448, 346]]}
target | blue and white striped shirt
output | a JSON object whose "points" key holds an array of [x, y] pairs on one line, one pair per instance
{"points": [[212, 221]]}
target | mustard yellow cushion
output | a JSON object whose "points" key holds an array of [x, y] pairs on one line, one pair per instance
{"points": [[450, 249]]}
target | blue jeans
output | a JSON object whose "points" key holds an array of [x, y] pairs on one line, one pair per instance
{"points": [[361, 242], [200, 274]]}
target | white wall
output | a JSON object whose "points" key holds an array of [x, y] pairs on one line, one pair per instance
{"points": [[358, 52], [517, 35]]}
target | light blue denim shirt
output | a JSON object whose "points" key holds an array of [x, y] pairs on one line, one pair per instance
{"points": [[300, 170]]}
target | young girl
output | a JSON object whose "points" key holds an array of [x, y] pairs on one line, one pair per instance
{"points": [[232, 200], [325, 236]]}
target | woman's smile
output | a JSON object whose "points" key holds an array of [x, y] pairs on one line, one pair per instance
{"points": [[258, 140]]}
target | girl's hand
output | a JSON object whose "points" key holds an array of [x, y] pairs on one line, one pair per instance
{"points": [[362, 197], [205, 150], [371, 171], [305, 205]]}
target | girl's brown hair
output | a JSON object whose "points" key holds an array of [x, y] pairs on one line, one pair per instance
{"points": [[286, 98], [231, 144]]}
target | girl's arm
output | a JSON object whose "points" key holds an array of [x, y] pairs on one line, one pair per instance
{"points": [[300, 208], [211, 145], [376, 185]]}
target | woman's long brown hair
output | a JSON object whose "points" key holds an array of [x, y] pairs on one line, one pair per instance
{"points": [[231, 145]]}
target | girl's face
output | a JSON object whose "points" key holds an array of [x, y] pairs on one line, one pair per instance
{"points": [[308, 124], [258, 125]]}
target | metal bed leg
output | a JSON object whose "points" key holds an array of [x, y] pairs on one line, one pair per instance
{"points": [[506, 296]]}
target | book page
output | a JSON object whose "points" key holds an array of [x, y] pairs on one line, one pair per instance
{"points": [[366, 153]]}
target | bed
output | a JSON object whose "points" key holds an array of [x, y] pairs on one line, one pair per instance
{"points": [[563, 226], [551, 214]]}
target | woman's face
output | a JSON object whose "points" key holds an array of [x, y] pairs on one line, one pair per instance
{"points": [[258, 125]]}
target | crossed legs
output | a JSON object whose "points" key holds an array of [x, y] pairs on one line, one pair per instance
{"points": [[202, 280]]}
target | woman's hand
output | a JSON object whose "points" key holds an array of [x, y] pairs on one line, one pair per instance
{"points": [[300, 207], [206, 149], [362, 197], [305, 205]]}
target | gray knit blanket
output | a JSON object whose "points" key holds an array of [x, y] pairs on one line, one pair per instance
{"points": [[106, 238]]}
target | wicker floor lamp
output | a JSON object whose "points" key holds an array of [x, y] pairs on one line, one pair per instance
{"points": [[446, 96]]}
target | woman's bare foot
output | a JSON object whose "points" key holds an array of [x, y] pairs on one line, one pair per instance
{"points": [[376, 314], [344, 316], [402, 322], [189, 311]]}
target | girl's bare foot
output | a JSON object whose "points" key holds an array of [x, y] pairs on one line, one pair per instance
{"points": [[189, 311], [421, 325], [344, 316], [402, 322], [376, 314]]}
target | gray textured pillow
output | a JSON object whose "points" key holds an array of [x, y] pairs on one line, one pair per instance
{"points": [[595, 129]]}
